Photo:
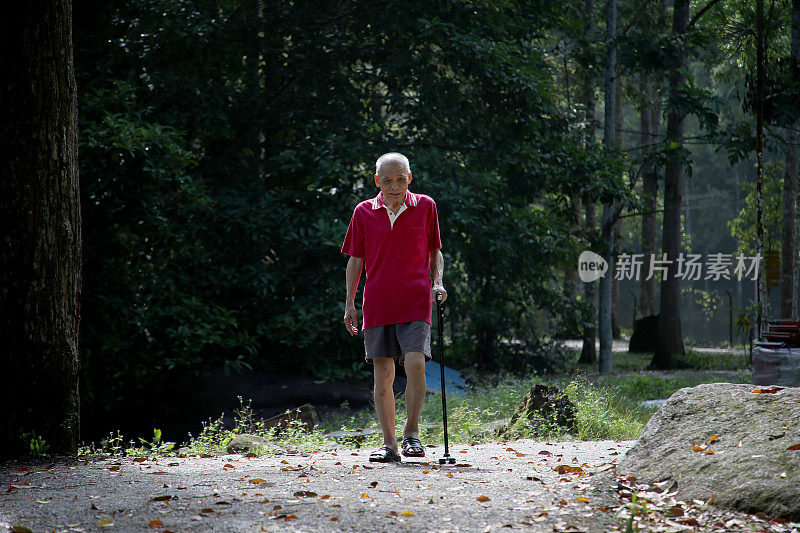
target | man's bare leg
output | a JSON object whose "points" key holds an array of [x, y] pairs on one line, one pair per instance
{"points": [[383, 368], [414, 365]]}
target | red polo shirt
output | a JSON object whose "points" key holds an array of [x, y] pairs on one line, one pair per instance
{"points": [[396, 258]]}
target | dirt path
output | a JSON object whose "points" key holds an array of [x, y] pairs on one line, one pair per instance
{"points": [[535, 486], [492, 486]]}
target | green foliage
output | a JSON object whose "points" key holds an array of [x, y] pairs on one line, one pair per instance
{"points": [[37, 446], [220, 164], [743, 227]]}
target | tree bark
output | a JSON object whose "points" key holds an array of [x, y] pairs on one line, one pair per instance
{"points": [[572, 280], [761, 283], [647, 287], [588, 350], [40, 257], [619, 121], [609, 209], [670, 338], [788, 251]]}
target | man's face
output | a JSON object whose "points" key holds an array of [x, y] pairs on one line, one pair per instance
{"points": [[393, 181]]}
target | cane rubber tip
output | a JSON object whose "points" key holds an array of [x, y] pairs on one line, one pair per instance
{"points": [[447, 460]]}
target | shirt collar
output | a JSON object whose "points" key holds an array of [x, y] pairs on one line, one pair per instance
{"points": [[410, 200]]}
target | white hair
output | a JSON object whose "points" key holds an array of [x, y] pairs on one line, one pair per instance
{"points": [[392, 158]]}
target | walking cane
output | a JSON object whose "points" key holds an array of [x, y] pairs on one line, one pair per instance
{"points": [[446, 459]]}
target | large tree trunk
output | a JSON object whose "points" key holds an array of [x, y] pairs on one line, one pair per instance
{"points": [[588, 350], [609, 209], [40, 257], [789, 218], [670, 338], [647, 287]]}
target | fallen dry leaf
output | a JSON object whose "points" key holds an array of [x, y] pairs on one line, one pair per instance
{"points": [[161, 498], [305, 494], [771, 390], [105, 523], [581, 499], [407, 513], [567, 469], [334, 518], [712, 438], [140, 459], [793, 447], [257, 480], [155, 523], [365, 495], [483, 498]]}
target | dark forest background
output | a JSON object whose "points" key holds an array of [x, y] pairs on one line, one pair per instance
{"points": [[224, 144]]}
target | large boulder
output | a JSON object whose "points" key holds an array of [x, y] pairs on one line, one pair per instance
{"points": [[736, 445]]}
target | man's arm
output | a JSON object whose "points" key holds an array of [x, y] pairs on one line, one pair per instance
{"points": [[437, 271], [352, 278]]}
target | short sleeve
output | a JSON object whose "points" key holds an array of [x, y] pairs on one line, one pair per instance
{"points": [[354, 239], [434, 239]]}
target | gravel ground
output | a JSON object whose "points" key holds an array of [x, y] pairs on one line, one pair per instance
{"points": [[524, 484], [499, 485]]}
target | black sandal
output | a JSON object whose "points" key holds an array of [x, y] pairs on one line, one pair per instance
{"points": [[384, 454], [412, 447]]}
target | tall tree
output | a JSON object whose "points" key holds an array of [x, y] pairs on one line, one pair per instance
{"points": [[588, 333], [649, 119], [789, 219], [609, 209], [669, 324], [759, 109], [619, 122], [40, 258]]}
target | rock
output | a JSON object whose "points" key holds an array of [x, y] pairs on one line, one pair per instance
{"points": [[247, 443], [545, 404], [649, 404], [645, 335], [752, 466], [490, 429], [305, 415], [776, 366]]}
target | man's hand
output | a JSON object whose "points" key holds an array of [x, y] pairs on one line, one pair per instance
{"points": [[439, 289], [351, 320]]}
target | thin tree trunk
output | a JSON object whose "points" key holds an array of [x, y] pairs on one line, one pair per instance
{"points": [[588, 350], [789, 219], [572, 280], [618, 126], [670, 338], [40, 257], [609, 209], [762, 290], [649, 195]]}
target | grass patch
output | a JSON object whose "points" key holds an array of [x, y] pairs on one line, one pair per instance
{"points": [[608, 407]]}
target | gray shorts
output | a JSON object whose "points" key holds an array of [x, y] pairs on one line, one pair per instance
{"points": [[396, 340]]}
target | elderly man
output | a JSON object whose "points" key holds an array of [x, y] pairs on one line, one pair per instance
{"points": [[395, 236]]}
